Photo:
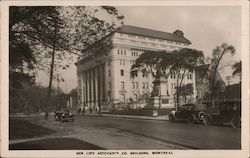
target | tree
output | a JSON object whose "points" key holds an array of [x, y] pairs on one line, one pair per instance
{"points": [[237, 68], [213, 78], [54, 33], [186, 90], [179, 63]]}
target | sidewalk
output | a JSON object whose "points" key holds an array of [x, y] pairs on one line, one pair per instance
{"points": [[160, 118]]}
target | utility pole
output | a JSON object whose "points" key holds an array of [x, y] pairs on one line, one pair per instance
{"points": [[51, 71], [57, 84], [228, 78]]}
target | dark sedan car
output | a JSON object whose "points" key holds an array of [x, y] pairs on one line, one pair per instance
{"points": [[191, 113], [64, 116], [229, 113]]}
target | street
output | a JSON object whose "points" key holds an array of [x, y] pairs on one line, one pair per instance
{"points": [[124, 133], [115, 133]]}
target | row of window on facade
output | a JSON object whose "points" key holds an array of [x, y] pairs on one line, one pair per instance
{"points": [[135, 85], [152, 39], [135, 97], [123, 62], [123, 52], [123, 97], [189, 76]]}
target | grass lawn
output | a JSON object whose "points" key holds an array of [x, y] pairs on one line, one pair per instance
{"points": [[21, 128], [140, 112]]}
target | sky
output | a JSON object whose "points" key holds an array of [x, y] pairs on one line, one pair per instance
{"points": [[205, 26]]}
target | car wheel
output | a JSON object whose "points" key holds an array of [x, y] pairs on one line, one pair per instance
{"points": [[201, 115], [235, 122], [205, 121]]}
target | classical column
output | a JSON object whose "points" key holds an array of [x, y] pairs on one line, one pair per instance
{"points": [[104, 82], [96, 87], [100, 83], [83, 88], [92, 88], [88, 88]]}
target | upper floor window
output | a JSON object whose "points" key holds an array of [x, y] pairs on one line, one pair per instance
{"points": [[136, 73], [109, 73], [122, 61], [122, 72], [122, 84]]}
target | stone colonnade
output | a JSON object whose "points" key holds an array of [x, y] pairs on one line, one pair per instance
{"points": [[93, 87]]}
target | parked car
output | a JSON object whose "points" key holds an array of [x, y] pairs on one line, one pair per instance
{"points": [[229, 113], [191, 113], [64, 115]]}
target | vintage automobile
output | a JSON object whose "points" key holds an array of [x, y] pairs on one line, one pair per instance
{"points": [[229, 113], [64, 116], [191, 113]]}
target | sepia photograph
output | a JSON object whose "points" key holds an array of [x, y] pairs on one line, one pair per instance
{"points": [[125, 79]]}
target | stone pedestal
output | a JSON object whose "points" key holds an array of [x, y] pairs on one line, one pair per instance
{"points": [[160, 97]]}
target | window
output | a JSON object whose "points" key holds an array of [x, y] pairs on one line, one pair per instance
{"points": [[143, 85], [144, 74], [136, 83], [109, 85], [118, 51], [122, 84], [136, 74], [190, 77], [124, 52], [133, 85], [135, 97], [123, 97], [122, 72], [109, 73], [122, 61], [121, 52]]}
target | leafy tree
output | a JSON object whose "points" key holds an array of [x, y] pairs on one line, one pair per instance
{"points": [[237, 68], [40, 34], [162, 64], [213, 74], [186, 90]]}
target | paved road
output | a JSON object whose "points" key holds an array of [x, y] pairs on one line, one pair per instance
{"points": [[126, 133]]}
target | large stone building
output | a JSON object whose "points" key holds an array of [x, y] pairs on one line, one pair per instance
{"points": [[106, 78]]}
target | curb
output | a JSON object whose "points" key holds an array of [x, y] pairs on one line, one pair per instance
{"points": [[123, 116]]}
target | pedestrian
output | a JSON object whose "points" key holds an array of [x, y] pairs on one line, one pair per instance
{"points": [[83, 109]]}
